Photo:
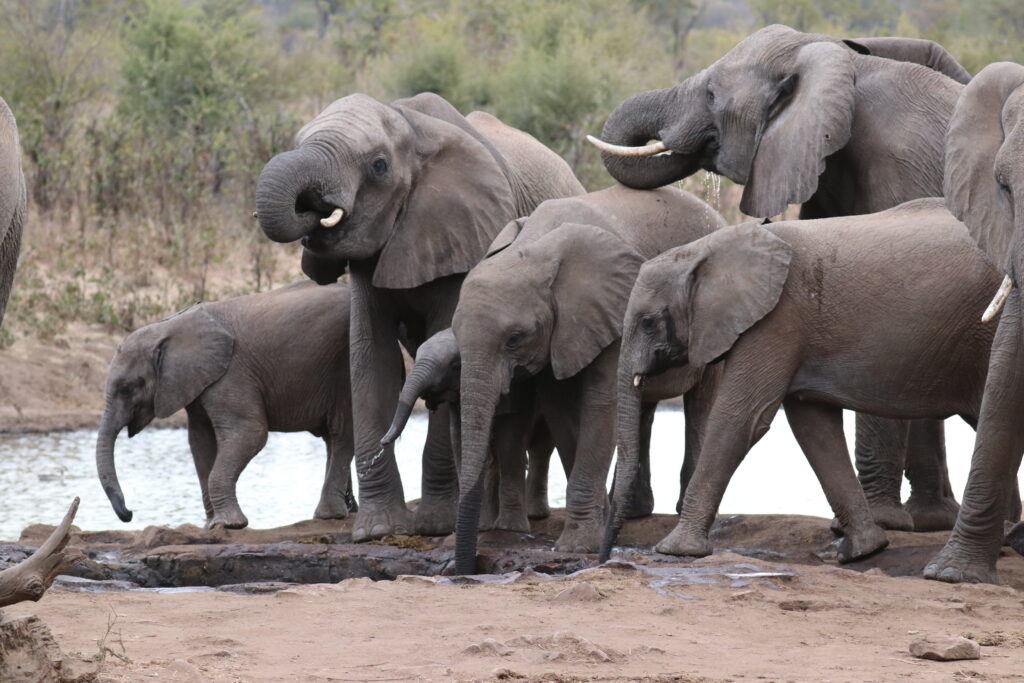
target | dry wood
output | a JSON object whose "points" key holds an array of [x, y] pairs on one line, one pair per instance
{"points": [[28, 580]]}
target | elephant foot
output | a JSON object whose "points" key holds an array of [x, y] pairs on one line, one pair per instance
{"points": [[1015, 536], [685, 543], [891, 516], [231, 518], [932, 514], [375, 521], [435, 516], [538, 508], [512, 520], [580, 536], [860, 543], [641, 503], [331, 509], [955, 565]]}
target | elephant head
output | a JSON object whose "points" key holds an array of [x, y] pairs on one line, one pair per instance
{"points": [[766, 115], [156, 371], [555, 302], [984, 180], [412, 184], [689, 306], [434, 378]]}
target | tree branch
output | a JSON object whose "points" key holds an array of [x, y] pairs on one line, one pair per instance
{"points": [[28, 580]]}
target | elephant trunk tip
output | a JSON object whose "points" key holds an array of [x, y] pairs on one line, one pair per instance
{"points": [[117, 501], [611, 531], [402, 414]]}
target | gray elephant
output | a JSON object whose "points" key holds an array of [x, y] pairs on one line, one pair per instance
{"points": [[984, 187], [12, 203], [409, 195], [811, 119], [243, 367], [549, 306], [877, 313]]}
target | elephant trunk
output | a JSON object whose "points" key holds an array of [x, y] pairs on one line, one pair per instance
{"points": [[480, 394], [654, 115], [290, 200], [627, 464], [109, 429], [418, 383]]}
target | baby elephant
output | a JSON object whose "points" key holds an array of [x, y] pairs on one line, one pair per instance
{"points": [[276, 361], [879, 313]]}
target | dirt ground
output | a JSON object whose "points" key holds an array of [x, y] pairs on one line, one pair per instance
{"points": [[805, 620]]}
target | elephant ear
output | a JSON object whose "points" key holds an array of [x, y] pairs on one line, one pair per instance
{"points": [[195, 353], [507, 235], [459, 201], [973, 140], [730, 279], [814, 123], [915, 51], [595, 274], [322, 271]]}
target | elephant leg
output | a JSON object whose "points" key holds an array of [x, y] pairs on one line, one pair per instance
{"points": [[337, 488], [439, 496], [376, 367], [508, 443], [697, 404], [237, 445], [931, 504], [641, 501], [203, 444], [541, 447], [9, 251], [880, 453], [972, 549], [819, 431]]}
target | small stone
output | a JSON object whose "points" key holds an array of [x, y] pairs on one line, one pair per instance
{"points": [[189, 671], [945, 648], [417, 580], [488, 646], [579, 592]]}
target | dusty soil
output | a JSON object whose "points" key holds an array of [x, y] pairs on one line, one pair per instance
{"points": [[646, 617]]}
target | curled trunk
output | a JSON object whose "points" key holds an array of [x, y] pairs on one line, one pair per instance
{"points": [[480, 397], [109, 429], [627, 463], [417, 384], [289, 201]]}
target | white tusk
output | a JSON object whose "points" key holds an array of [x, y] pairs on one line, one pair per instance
{"points": [[621, 151], [637, 380], [998, 300], [333, 219]]}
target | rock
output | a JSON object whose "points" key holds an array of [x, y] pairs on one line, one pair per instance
{"points": [[30, 653], [945, 648], [184, 671], [579, 592], [488, 647], [416, 580]]}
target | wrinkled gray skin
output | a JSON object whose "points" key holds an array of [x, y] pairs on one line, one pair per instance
{"points": [[809, 119], [984, 187], [816, 316], [12, 203], [549, 306], [424, 190], [235, 366]]}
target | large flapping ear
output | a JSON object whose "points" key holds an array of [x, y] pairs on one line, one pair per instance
{"points": [[507, 235], [195, 353], [914, 50], [323, 271], [460, 200], [731, 279], [595, 274], [973, 139], [813, 119]]}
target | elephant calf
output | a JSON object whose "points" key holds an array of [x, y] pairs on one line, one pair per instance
{"points": [[879, 313], [276, 361]]}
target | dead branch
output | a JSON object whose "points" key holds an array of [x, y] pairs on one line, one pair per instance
{"points": [[28, 580]]}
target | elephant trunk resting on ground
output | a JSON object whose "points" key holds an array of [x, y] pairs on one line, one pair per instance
{"points": [[240, 370]]}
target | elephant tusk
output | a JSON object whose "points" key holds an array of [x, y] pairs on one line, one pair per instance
{"points": [[638, 380], [333, 219], [998, 300], [622, 151]]}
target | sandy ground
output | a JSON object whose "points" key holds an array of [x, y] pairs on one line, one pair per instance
{"points": [[702, 621]]}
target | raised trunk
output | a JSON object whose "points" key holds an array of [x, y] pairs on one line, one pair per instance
{"points": [[654, 115], [109, 429], [420, 380], [480, 397], [626, 465], [289, 196]]}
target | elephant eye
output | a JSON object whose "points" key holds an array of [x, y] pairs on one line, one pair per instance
{"points": [[379, 166], [1003, 185], [710, 95], [514, 339], [647, 323]]}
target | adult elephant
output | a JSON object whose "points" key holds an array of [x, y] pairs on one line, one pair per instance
{"points": [[549, 307], [811, 119], [985, 189], [409, 195], [12, 203]]}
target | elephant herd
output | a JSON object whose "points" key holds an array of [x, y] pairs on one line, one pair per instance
{"points": [[543, 318]]}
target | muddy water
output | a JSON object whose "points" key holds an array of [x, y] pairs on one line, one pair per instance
{"points": [[40, 473]]}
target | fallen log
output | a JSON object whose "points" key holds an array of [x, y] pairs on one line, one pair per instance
{"points": [[28, 580]]}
